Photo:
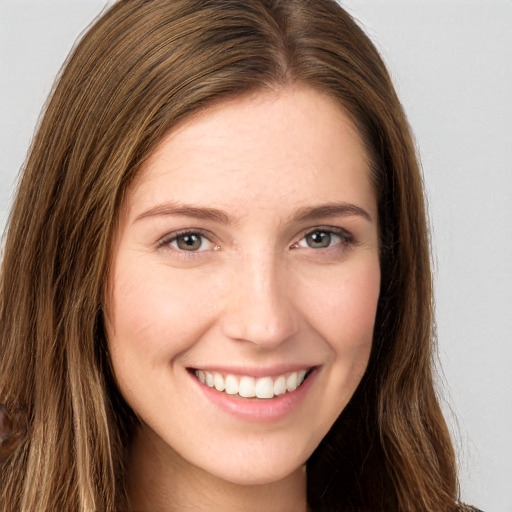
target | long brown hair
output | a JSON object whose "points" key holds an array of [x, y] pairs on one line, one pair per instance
{"points": [[144, 66]]}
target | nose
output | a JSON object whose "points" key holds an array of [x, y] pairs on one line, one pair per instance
{"points": [[260, 308]]}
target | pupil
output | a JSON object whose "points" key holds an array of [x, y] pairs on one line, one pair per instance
{"points": [[189, 242], [319, 239]]}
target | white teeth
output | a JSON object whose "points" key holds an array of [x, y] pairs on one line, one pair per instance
{"points": [[218, 382], [264, 387], [249, 387], [292, 382], [231, 385], [246, 387], [280, 386]]}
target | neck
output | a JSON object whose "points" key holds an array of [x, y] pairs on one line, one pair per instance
{"points": [[158, 483]]}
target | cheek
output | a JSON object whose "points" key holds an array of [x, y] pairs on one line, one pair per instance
{"points": [[343, 310], [156, 313]]}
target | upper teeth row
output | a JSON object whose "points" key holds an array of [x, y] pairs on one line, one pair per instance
{"points": [[249, 387]]}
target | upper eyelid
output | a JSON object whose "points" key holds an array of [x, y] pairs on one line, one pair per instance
{"points": [[328, 229]]}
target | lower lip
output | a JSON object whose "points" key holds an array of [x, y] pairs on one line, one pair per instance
{"points": [[258, 410]]}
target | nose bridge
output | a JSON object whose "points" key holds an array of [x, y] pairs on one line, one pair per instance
{"points": [[260, 309]]}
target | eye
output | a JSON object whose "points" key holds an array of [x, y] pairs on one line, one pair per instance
{"points": [[187, 241], [324, 239], [320, 239]]}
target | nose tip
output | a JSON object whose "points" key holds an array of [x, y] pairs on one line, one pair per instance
{"points": [[260, 310]]}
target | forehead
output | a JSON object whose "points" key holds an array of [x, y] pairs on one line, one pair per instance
{"points": [[270, 149]]}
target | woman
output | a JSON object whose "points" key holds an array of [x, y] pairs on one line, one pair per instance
{"points": [[224, 299]]}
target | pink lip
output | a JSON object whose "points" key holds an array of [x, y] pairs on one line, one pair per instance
{"points": [[257, 410]]}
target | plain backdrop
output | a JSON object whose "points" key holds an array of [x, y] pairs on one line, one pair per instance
{"points": [[452, 64]]}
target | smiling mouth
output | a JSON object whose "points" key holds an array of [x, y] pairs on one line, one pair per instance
{"points": [[250, 387]]}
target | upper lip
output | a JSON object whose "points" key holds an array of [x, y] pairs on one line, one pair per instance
{"points": [[253, 371]]}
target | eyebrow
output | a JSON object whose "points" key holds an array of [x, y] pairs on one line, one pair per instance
{"points": [[341, 209], [303, 214], [183, 210]]}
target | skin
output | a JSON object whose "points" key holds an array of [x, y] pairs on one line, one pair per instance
{"points": [[254, 294]]}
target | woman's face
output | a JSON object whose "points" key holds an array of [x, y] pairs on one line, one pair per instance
{"points": [[247, 257]]}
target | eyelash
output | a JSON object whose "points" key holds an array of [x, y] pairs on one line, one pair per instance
{"points": [[346, 240]]}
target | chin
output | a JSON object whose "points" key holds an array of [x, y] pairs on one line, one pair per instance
{"points": [[257, 462], [263, 475]]}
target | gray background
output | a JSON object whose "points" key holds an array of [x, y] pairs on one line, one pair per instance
{"points": [[452, 65]]}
